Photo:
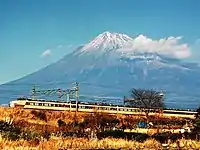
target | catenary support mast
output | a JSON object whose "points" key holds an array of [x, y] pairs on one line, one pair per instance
{"points": [[76, 89]]}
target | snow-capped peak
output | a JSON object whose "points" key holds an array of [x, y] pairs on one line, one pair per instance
{"points": [[108, 41]]}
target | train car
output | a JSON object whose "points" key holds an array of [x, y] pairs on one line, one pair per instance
{"points": [[89, 107], [179, 113]]}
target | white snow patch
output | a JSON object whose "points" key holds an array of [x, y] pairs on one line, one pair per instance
{"points": [[123, 44]]}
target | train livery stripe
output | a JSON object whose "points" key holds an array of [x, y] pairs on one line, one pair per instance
{"points": [[67, 106]]}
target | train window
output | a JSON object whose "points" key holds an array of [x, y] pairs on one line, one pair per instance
{"points": [[67, 106], [46, 104], [113, 108], [137, 110], [140, 110], [88, 107], [27, 103]]}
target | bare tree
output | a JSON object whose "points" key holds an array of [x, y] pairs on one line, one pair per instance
{"points": [[146, 99]]}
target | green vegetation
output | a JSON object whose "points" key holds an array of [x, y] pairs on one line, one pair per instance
{"points": [[197, 121]]}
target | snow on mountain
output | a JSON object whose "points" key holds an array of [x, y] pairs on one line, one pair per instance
{"points": [[116, 60], [114, 47], [108, 41]]}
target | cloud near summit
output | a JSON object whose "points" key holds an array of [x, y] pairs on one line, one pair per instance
{"points": [[46, 53], [170, 46]]}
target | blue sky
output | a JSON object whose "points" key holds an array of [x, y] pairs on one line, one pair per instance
{"points": [[28, 28]]}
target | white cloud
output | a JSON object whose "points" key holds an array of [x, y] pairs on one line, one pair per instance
{"points": [[46, 53], [170, 46]]}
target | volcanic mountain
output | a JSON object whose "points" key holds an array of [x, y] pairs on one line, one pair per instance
{"points": [[109, 67]]}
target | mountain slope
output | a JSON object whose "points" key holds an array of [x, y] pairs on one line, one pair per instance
{"points": [[104, 68]]}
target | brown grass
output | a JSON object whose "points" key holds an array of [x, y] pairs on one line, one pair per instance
{"points": [[53, 116], [81, 143], [26, 119]]}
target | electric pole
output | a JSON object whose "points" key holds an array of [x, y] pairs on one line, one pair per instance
{"points": [[59, 95], [33, 92], [76, 95], [76, 89]]}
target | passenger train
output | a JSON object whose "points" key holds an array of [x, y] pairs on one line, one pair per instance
{"points": [[96, 107]]}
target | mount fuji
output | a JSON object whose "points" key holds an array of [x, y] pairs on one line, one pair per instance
{"points": [[109, 66]]}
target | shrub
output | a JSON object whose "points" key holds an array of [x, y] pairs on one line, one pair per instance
{"points": [[197, 124], [174, 137], [114, 134], [11, 135], [46, 135], [40, 115], [9, 131], [141, 137], [29, 135], [61, 123], [161, 137]]}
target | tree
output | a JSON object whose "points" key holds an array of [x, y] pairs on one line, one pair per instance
{"points": [[198, 113], [197, 121], [147, 99]]}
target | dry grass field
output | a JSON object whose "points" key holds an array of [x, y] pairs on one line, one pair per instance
{"points": [[27, 120], [84, 144], [53, 116]]}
